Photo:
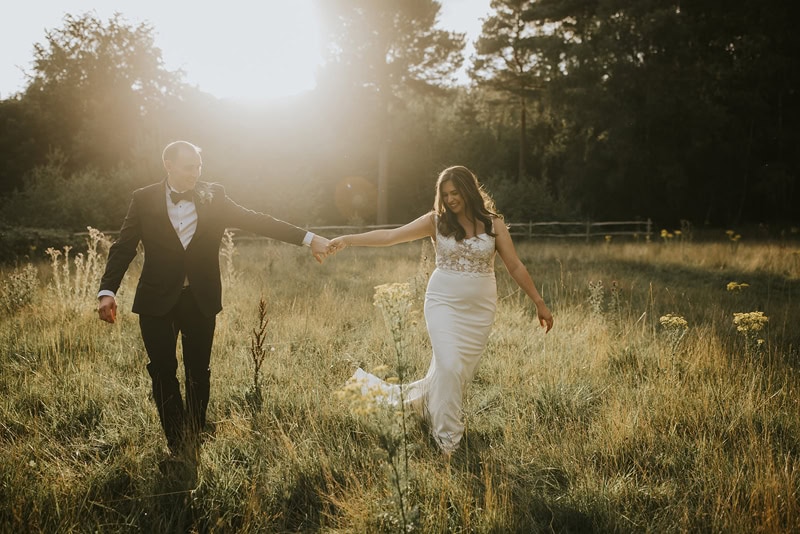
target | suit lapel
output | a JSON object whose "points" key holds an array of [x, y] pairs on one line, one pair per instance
{"points": [[162, 214], [201, 207]]}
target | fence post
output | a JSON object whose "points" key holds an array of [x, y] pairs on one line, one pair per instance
{"points": [[588, 230], [530, 229], [649, 227]]}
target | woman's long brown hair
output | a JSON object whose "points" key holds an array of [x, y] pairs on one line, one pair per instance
{"points": [[477, 202]]}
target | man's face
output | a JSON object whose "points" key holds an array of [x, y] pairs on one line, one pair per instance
{"points": [[184, 169]]}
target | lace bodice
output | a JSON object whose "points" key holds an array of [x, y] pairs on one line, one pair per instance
{"points": [[473, 255]]}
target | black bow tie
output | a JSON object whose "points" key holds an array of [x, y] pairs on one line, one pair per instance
{"points": [[177, 197]]}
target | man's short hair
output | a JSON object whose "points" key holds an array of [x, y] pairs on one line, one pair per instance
{"points": [[172, 149]]}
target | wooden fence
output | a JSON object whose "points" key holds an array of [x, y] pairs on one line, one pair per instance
{"points": [[530, 230], [586, 230]]}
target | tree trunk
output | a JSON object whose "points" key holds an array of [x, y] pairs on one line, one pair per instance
{"points": [[523, 139], [383, 181], [383, 156]]}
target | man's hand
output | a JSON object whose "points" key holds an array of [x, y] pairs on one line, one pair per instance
{"points": [[107, 308], [319, 248]]}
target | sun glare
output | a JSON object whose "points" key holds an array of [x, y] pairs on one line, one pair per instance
{"points": [[249, 51]]}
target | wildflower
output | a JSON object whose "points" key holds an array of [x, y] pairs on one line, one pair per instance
{"points": [[733, 236], [735, 286], [750, 323], [596, 296], [673, 322], [360, 397], [395, 301], [675, 327], [391, 295]]}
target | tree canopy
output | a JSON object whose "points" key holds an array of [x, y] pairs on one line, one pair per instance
{"points": [[580, 108], [93, 82]]}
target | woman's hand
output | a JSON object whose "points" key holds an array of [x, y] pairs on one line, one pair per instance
{"points": [[336, 244], [545, 317]]}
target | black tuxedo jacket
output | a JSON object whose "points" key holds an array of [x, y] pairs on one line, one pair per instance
{"points": [[166, 263]]}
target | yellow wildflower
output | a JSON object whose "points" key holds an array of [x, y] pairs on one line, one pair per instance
{"points": [[751, 322], [735, 286], [671, 321]]}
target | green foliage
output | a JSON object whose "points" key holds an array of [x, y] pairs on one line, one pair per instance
{"points": [[95, 82], [527, 200], [650, 109], [377, 50], [506, 62], [19, 128], [23, 243], [665, 106], [54, 196], [388, 45]]}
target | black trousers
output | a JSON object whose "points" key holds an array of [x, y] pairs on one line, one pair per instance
{"points": [[160, 335]]}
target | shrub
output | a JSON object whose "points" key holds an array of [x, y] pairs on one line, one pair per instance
{"points": [[52, 198], [23, 243]]}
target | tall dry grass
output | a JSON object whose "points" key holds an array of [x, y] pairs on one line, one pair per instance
{"points": [[605, 424]]}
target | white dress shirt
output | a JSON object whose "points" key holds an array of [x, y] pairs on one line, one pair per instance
{"points": [[183, 217]]}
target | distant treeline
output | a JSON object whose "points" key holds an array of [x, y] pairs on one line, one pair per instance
{"points": [[578, 109]]}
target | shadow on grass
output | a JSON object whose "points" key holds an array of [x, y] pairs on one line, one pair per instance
{"points": [[539, 493]]}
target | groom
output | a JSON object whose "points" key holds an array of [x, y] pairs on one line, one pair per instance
{"points": [[180, 222]]}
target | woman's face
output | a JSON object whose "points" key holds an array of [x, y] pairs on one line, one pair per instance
{"points": [[451, 197]]}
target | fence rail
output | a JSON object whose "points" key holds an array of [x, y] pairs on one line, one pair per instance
{"points": [[581, 229], [530, 230]]}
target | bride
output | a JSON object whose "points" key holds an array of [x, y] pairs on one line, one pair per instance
{"points": [[461, 297]]}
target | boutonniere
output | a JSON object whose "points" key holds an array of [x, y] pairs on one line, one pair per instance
{"points": [[203, 195]]}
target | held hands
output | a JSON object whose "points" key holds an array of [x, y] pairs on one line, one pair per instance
{"points": [[107, 308], [337, 244], [320, 248]]}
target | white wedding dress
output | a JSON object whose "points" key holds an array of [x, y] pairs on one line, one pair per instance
{"points": [[460, 304]]}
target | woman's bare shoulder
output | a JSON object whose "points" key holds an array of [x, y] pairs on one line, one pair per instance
{"points": [[498, 223]]}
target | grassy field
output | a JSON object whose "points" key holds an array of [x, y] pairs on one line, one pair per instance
{"points": [[616, 421]]}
